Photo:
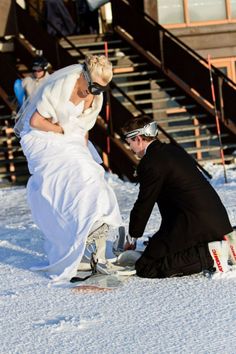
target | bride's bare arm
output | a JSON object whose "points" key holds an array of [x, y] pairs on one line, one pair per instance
{"points": [[37, 121]]}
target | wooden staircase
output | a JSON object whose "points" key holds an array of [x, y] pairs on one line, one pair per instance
{"points": [[158, 97], [13, 166], [138, 86]]}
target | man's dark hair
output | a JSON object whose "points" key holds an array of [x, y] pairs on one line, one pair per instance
{"points": [[137, 123]]}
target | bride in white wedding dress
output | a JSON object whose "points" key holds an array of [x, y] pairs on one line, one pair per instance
{"points": [[67, 192]]}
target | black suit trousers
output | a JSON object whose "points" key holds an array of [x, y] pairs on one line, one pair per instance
{"points": [[189, 261]]}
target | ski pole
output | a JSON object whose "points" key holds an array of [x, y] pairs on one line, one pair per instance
{"points": [[106, 155], [217, 118]]}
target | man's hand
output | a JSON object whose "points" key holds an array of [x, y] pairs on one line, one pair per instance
{"points": [[130, 243], [129, 246]]}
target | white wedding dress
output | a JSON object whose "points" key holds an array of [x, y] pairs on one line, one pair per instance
{"points": [[67, 192]]}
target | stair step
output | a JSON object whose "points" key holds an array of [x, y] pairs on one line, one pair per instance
{"points": [[14, 161], [10, 149], [75, 53], [6, 117], [177, 115], [168, 109], [80, 45], [4, 139], [138, 74], [116, 50], [140, 83], [176, 119], [217, 160], [193, 150], [201, 138], [130, 57], [84, 38], [134, 83], [155, 100], [185, 128], [129, 65], [21, 173], [145, 92]]}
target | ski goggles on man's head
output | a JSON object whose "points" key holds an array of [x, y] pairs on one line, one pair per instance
{"points": [[93, 87], [149, 129]]}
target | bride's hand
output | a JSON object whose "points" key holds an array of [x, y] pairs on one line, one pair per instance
{"points": [[39, 122]]}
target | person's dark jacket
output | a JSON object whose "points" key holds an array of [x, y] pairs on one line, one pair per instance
{"points": [[59, 16], [190, 208]]}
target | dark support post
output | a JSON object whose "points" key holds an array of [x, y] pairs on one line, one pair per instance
{"points": [[161, 33], [221, 100], [216, 117]]}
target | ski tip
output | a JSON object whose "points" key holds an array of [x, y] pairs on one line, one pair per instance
{"points": [[90, 289], [126, 272]]}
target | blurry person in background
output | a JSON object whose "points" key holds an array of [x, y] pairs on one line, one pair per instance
{"points": [[39, 74], [60, 18], [24, 88]]}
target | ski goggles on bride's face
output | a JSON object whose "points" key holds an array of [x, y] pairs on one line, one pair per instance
{"points": [[149, 129], [93, 87]]}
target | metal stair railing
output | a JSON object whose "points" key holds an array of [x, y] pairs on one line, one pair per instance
{"points": [[176, 60]]}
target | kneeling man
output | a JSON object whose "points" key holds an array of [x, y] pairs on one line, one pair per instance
{"points": [[192, 213]]}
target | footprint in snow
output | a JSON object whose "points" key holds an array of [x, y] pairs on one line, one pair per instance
{"points": [[68, 323]]}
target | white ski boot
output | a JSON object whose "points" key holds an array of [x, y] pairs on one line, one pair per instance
{"points": [[219, 251], [231, 238], [95, 251], [119, 243], [122, 264], [98, 249]]}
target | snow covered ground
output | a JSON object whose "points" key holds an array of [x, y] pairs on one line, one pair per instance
{"points": [[179, 315]]}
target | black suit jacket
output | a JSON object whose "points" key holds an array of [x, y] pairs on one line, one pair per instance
{"points": [[190, 208]]}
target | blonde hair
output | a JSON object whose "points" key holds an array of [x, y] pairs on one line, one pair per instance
{"points": [[99, 65]]}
